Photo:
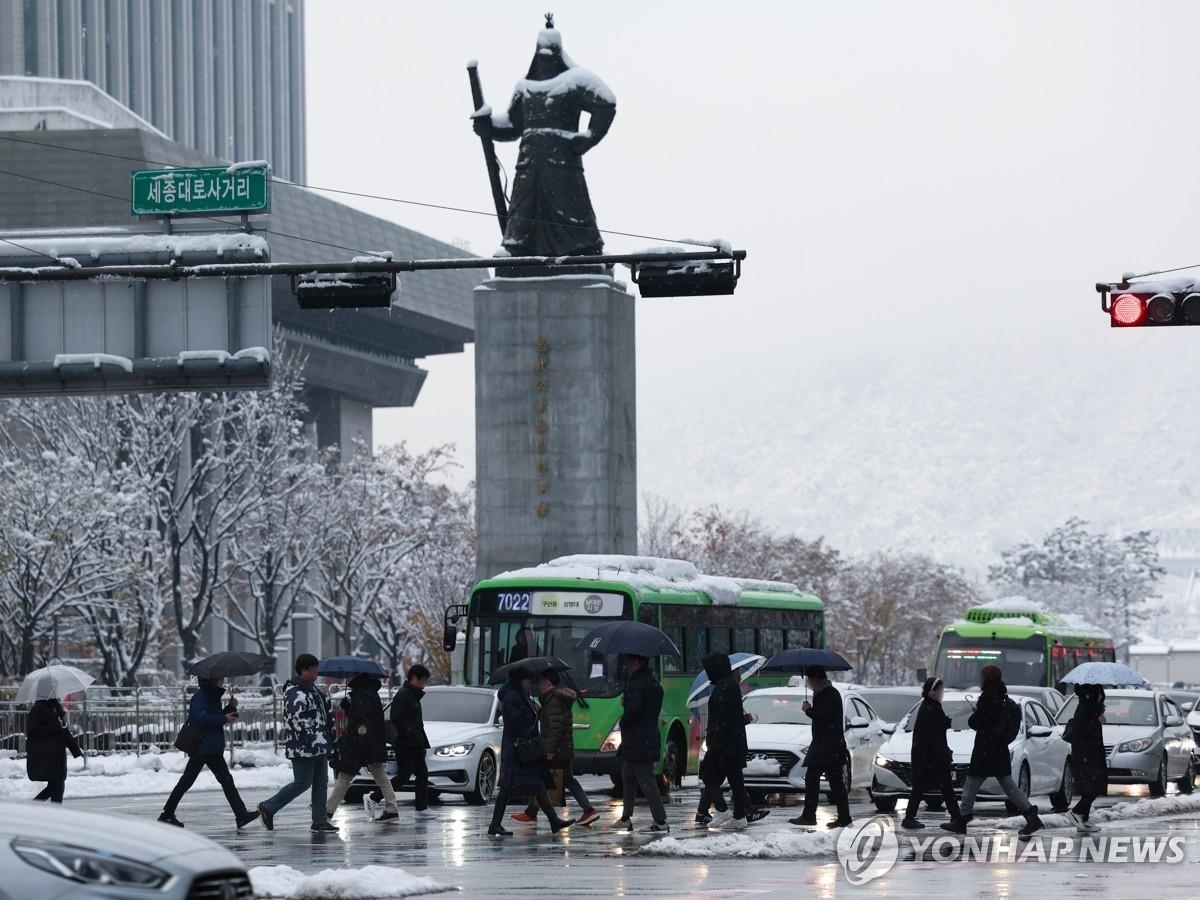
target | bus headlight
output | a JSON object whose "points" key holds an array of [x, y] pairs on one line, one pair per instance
{"points": [[612, 743]]}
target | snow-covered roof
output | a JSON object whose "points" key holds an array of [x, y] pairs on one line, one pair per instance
{"points": [[650, 573], [1013, 604], [95, 247], [1023, 612]]}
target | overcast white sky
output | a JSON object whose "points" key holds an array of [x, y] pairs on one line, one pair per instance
{"points": [[907, 177]]}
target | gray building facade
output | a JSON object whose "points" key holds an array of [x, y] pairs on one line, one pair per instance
{"points": [[223, 76]]}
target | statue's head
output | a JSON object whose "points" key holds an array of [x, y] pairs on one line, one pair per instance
{"points": [[549, 60]]}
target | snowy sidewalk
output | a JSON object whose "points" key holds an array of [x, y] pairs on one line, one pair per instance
{"points": [[150, 773], [367, 883]]}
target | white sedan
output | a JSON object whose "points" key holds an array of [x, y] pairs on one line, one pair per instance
{"points": [[463, 726], [1039, 756], [780, 732]]}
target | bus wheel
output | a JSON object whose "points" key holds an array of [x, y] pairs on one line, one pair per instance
{"points": [[674, 762]]}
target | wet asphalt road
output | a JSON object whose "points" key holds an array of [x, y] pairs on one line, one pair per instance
{"points": [[598, 862]]}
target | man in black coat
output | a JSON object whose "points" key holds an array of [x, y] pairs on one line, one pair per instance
{"points": [[726, 740], [411, 742], [47, 741], [641, 744], [827, 753], [1089, 763], [996, 722]]}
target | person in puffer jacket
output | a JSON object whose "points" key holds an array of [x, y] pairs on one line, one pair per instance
{"points": [[308, 745]]}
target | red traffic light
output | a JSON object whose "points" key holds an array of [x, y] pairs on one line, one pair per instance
{"points": [[1127, 309]]}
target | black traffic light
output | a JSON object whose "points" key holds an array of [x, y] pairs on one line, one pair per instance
{"points": [[1133, 306]]}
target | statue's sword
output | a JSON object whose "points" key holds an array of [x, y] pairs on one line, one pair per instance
{"points": [[489, 151]]}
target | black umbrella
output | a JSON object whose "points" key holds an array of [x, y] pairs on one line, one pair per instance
{"points": [[629, 637], [801, 659], [535, 665], [230, 664]]}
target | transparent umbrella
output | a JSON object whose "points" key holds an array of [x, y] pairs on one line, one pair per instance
{"points": [[59, 682]]}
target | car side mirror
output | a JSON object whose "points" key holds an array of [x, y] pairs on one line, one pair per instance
{"points": [[1174, 721], [1040, 731], [889, 729], [858, 722]]}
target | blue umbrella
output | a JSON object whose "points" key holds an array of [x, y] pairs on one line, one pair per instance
{"points": [[627, 636], [1108, 674], [801, 659], [339, 666], [701, 688]]}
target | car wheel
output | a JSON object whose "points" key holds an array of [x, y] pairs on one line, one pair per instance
{"points": [[485, 781], [1158, 787], [1060, 800], [886, 804], [1187, 783], [1023, 786]]}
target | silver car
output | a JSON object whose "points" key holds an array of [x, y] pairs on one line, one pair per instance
{"points": [[1146, 739], [49, 851]]}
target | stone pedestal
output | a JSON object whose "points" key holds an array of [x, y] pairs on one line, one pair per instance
{"points": [[555, 423]]}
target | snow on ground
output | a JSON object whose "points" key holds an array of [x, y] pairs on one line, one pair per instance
{"points": [[150, 773], [1148, 808], [776, 845], [340, 884]]}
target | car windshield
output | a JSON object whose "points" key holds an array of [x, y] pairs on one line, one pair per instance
{"points": [[776, 709], [456, 706], [1118, 711], [888, 706], [958, 711]]}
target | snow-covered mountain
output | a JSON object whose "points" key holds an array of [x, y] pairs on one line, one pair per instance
{"points": [[962, 452]]}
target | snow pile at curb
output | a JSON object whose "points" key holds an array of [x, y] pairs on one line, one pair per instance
{"points": [[776, 845], [340, 884], [1151, 808]]}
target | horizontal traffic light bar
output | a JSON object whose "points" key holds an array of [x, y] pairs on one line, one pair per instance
{"points": [[1137, 305]]}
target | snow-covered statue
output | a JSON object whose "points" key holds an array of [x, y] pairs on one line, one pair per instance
{"points": [[550, 212]]}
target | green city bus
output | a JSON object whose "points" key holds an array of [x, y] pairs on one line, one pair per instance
{"points": [[558, 603], [1031, 645]]}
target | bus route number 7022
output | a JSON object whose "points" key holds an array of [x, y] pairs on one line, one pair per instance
{"points": [[512, 602]]}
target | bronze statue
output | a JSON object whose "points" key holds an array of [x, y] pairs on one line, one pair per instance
{"points": [[550, 212]]}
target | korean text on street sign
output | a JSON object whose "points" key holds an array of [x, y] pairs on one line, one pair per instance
{"points": [[189, 192]]}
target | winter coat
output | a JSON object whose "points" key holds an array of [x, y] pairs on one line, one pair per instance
{"points": [[364, 741], [726, 733], [643, 698], [828, 747], [407, 718], [990, 757], [557, 718], [207, 712], [308, 719], [520, 721], [47, 741], [931, 756], [1089, 763]]}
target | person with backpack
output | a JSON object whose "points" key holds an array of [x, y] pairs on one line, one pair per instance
{"points": [[363, 746], [931, 756], [410, 739], [726, 738], [209, 714], [827, 753], [1089, 763], [557, 720], [996, 722]]}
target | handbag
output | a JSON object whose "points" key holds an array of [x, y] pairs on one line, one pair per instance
{"points": [[530, 751], [188, 739]]}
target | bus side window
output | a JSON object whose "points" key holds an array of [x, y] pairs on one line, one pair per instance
{"points": [[797, 637], [770, 641], [718, 640], [743, 640], [671, 664]]}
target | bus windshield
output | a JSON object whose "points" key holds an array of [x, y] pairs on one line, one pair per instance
{"points": [[496, 641], [959, 659]]}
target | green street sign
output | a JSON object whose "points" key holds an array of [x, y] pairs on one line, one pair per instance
{"points": [[238, 188]]}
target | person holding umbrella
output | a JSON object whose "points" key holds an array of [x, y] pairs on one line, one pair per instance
{"points": [[364, 745], [209, 715], [726, 739], [641, 744], [557, 720], [827, 754], [309, 742], [47, 741], [522, 757], [1089, 763]]}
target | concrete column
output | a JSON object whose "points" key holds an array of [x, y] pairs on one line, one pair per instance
{"points": [[555, 420]]}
